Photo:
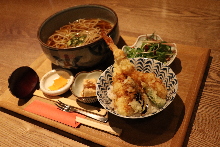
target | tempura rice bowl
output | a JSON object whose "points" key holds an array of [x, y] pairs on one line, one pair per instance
{"points": [[165, 73]]}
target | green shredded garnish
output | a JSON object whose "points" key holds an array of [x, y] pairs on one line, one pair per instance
{"points": [[156, 50], [76, 40]]}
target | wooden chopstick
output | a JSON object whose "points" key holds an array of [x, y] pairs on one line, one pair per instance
{"points": [[104, 127]]}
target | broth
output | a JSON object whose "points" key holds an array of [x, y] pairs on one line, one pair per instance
{"points": [[79, 33]]}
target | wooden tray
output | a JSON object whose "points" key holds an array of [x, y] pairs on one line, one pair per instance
{"points": [[168, 128]]}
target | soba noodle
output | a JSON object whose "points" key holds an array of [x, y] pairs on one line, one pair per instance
{"points": [[79, 33]]}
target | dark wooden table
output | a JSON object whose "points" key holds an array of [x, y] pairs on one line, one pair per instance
{"points": [[194, 23]]}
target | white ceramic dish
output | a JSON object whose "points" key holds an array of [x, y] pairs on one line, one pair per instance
{"points": [[139, 40], [145, 65], [77, 86], [48, 79]]}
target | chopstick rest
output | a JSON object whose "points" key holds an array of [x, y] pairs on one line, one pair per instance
{"points": [[104, 127]]}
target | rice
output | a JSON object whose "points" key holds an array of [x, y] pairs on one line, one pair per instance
{"points": [[118, 105], [111, 95]]}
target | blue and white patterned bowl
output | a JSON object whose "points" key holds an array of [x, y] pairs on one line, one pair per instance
{"points": [[145, 65]]}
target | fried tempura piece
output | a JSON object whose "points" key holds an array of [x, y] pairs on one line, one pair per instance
{"points": [[150, 80], [120, 59]]}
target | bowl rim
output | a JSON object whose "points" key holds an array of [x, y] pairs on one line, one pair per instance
{"points": [[68, 9]]}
